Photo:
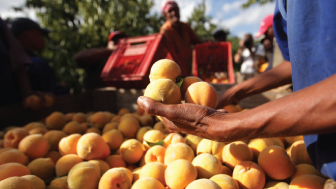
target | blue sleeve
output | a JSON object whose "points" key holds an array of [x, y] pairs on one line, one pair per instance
{"points": [[280, 32]]}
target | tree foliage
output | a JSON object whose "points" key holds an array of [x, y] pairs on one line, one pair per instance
{"points": [[81, 24], [252, 2], [201, 23]]}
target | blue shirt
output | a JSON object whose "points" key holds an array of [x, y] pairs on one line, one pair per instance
{"points": [[306, 34]]}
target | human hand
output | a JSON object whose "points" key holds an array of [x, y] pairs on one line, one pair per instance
{"points": [[189, 118], [229, 97]]}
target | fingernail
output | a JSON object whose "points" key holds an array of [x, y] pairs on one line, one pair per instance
{"points": [[140, 101]]}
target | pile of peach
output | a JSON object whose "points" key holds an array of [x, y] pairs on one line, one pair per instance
{"points": [[129, 150]]}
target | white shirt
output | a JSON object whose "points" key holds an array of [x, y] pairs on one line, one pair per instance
{"points": [[247, 66]]}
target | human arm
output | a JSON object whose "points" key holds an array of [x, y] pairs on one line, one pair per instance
{"points": [[90, 56], [308, 111], [276, 77]]}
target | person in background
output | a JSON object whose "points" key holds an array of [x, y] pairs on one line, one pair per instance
{"points": [[14, 80], [273, 56], [179, 36], [31, 37], [219, 35], [93, 61], [245, 55]]}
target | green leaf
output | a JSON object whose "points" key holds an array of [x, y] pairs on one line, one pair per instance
{"points": [[179, 81], [160, 143]]}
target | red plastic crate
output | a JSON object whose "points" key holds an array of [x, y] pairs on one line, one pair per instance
{"points": [[211, 58], [129, 65]]}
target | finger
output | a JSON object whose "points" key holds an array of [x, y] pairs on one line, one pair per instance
{"points": [[156, 108]]}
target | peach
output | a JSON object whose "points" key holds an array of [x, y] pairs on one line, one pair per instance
{"points": [[38, 130], [102, 165], [148, 183], [276, 184], [276, 163], [65, 163], [115, 178], [256, 146], [128, 115], [161, 127], [178, 151], [207, 165], [72, 128], [236, 152], [249, 175], [33, 102], [35, 181], [146, 120], [193, 141], [34, 146], [225, 181], [165, 69], [69, 116], [202, 93], [54, 137], [84, 175], [179, 174], [90, 146], [277, 142], [59, 183], [303, 169], [13, 156], [155, 170], [203, 183], [109, 115], [231, 108], [68, 145], [48, 101], [106, 151], [141, 132], [79, 117], [44, 168], [110, 126], [173, 138], [56, 121], [115, 161], [113, 138], [99, 120], [152, 136], [163, 90], [136, 174], [155, 154], [291, 140], [13, 170], [226, 170], [187, 81], [212, 147], [123, 111], [116, 119], [93, 130], [307, 182], [299, 154], [132, 151], [14, 136], [85, 126], [16, 183], [54, 156], [129, 127]]}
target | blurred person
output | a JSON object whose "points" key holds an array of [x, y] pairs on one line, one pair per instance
{"points": [[93, 61], [179, 35], [273, 56], [14, 79], [245, 55], [31, 37], [306, 38], [219, 35]]}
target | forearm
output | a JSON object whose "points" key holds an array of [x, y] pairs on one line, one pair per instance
{"points": [[89, 57], [309, 111], [276, 77], [238, 57]]}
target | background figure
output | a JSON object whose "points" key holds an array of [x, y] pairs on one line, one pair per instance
{"points": [[93, 61], [31, 37], [245, 55], [219, 35], [14, 81], [179, 35]]}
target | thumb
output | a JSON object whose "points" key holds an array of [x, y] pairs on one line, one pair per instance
{"points": [[153, 107]]}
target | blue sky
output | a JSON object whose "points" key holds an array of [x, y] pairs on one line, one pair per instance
{"points": [[225, 13]]}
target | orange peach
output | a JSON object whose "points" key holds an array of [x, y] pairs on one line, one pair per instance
{"points": [[178, 151], [179, 174], [236, 152], [13, 170], [90, 146], [79, 117], [44, 168], [173, 138], [207, 165], [299, 154], [110, 126], [113, 138], [115, 178], [212, 147], [68, 145], [72, 128], [102, 165], [115, 161], [307, 182], [14, 136], [154, 170], [56, 121], [202, 93], [14, 156], [129, 127], [38, 130], [34, 146], [16, 183], [65, 163], [165, 69], [99, 120], [187, 81], [54, 137], [132, 151], [257, 145], [249, 175], [35, 181], [155, 154]]}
